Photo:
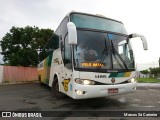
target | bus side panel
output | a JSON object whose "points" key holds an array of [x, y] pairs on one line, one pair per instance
{"points": [[44, 70], [56, 66]]}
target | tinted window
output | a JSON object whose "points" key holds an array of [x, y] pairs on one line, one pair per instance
{"points": [[93, 22], [63, 28]]}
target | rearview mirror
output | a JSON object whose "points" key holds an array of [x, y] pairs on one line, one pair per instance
{"points": [[72, 33], [144, 41]]}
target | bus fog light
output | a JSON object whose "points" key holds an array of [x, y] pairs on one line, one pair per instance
{"points": [[79, 92]]}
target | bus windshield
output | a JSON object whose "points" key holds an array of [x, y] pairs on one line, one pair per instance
{"points": [[99, 23], [102, 50]]}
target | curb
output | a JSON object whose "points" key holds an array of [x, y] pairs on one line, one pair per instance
{"points": [[24, 82], [148, 85]]}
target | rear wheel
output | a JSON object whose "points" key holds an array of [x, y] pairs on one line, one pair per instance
{"points": [[55, 89]]}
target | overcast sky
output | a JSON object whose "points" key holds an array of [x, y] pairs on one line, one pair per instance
{"points": [[138, 16]]}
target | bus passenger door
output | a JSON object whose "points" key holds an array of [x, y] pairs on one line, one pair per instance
{"points": [[67, 60]]}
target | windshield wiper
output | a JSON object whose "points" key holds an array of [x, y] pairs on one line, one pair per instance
{"points": [[115, 52], [104, 54]]}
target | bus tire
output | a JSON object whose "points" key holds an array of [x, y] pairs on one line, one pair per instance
{"points": [[55, 89]]}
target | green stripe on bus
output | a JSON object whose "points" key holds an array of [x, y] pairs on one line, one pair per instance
{"points": [[120, 74], [123, 74], [113, 75]]}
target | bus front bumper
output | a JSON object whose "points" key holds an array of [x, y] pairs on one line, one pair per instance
{"points": [[94, 91]]}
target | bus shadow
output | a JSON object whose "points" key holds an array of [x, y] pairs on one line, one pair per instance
{"points": [[91, 104], [86, 104]]}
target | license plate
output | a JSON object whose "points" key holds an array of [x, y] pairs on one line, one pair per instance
{"points": [[113, 90]]}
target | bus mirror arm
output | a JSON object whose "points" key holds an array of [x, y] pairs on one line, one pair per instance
{"points": [[72, 33], [144, 41]]}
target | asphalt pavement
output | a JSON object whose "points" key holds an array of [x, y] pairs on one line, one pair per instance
{"points": [[33, 97]]}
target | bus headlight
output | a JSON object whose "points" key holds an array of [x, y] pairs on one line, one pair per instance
{"points": [[132, 80], [84, 82]]}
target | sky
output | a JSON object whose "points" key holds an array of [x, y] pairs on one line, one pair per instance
{"points": [[138, 16]]}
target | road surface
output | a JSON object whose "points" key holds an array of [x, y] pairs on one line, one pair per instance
{"points": [[33, 97]]}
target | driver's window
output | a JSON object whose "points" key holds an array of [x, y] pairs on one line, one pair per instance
{"points": [[120, 49], [124, 52], [67, 56]]}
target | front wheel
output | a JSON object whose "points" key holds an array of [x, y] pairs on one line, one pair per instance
{"points": [[55, 89]]}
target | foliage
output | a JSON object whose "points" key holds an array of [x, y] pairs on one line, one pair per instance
{"points": [[21, 46], [152, 72], [52, 44], [147, 80], [155, 71], [145, 72]]}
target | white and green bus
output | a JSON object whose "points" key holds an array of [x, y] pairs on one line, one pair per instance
{"points": [[94, 58]]}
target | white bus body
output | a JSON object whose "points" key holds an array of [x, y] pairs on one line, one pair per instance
{"points": [[111, 73]]}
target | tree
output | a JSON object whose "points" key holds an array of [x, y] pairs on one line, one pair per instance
{"points": [[21, 46], [52, 44], [155, 71], [145, 72]]}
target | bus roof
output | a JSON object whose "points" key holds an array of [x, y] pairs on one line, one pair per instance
{"points": [[96, 15]]}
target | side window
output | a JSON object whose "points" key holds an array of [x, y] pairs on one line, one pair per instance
{"points": [[63, 32], [67, 56], [62, 49], [63, 29]]}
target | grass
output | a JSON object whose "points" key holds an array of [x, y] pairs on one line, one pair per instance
{"points": [[147, 80]]}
